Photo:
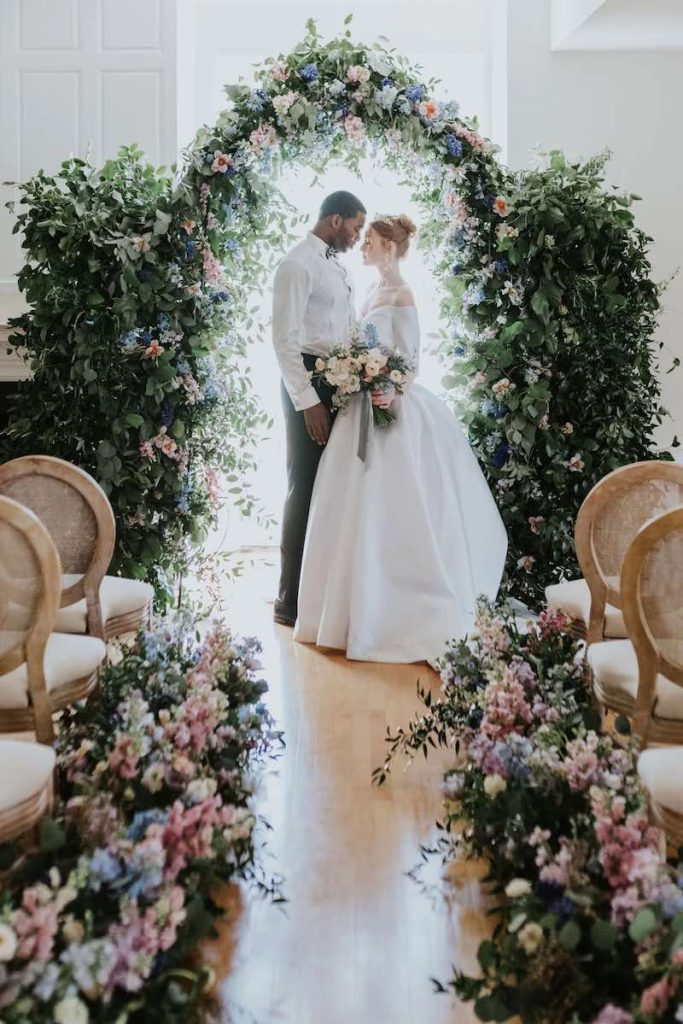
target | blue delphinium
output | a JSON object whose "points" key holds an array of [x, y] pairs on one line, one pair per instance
{"points": [[456, 269], [163, 321], [190, 249], [233, 246], [501, 410], [309, 73], [167, 413], [453, 145], [146, 336], [142, 820], [129, 340], [415, 93], [501, 266], [473, 296], [371, 335], [500, 455], [256, 100], [103, 869], [459, 351]]}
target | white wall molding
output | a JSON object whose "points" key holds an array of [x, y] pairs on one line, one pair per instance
{"points": [[616, 25]]}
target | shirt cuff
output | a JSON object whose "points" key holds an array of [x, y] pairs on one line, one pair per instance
{"points": [[305, 399]]}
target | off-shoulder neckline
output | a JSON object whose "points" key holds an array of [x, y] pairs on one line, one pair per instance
{"points": [[388, 305]]}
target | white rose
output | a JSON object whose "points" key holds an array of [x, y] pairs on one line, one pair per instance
{"points": [[71, 1010], [8, 943], [517, 887], [320, 364], [396, 376], [530, 937], [494, 784]]}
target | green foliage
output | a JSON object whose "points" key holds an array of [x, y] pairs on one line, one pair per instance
{"points": [[108, 274]]}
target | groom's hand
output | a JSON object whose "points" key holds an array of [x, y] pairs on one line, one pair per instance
{"points": [[318, 420]]}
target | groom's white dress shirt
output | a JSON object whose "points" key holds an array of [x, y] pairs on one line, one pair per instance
{"points": [[312, 312]]}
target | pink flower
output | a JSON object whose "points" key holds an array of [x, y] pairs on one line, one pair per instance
{"points": [[124, 758], [655, 999], [582, 765], [576, 464], [612, 1014], [213, 271], [526, 562], [146, 450], [262, 138], [35, 922], [429, 109], [154, 350], [358, 74], [535, 522], [188, 226], [500, 205], [354, 128], [221, 162], [279, 72]]}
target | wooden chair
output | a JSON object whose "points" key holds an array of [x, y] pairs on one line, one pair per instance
{"points": [[652, 595], [79, 517], [616, 508], [41, 672], [608, 519], [26, 787]]}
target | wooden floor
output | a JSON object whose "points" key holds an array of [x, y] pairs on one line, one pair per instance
{"points": [[358, 940]]}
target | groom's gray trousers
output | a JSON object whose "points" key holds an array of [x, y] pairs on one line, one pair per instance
{"points": [[303, 456]]}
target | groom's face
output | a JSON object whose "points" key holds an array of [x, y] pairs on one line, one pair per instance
{"points": [[347, 231]]}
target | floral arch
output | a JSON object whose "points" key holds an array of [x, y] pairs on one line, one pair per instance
{"points": [[547, 304]]}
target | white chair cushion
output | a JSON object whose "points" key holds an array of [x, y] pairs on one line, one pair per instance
{"points": [[574, 598], [615, 666], [118, 596], [67, 658], [661, 771], [25, 769]]}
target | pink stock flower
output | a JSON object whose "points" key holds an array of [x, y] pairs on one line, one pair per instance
{"points": [[262, 138], [279, 72], [582, 767], [36, 921], [354, 128], [124, 758], [188, 832], [146, 450], [213, 271]]}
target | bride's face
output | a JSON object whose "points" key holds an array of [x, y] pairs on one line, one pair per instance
{"points": [[374, 248]]}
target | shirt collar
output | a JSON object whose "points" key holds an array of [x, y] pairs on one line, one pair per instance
{"points": [[318, 243]]}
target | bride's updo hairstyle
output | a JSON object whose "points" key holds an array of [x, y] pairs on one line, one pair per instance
{"points": [[395, 229]]}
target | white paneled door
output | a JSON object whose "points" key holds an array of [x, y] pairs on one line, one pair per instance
{"points": [[81, 77]]}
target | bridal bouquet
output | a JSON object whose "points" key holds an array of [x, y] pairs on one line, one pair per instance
{"points": [[364, 366]]}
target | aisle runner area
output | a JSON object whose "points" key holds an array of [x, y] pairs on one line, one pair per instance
{"points": [[358, 940]]}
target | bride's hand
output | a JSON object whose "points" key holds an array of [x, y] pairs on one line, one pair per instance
{"points": [[382, 399]]}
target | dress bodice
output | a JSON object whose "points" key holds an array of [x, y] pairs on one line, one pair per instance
{"points": [[397, 327]]}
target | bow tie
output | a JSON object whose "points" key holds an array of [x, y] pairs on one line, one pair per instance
{"points": [[330, 252]]}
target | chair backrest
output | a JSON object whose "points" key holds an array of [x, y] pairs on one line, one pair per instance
{"points": [[652, 596], [77, 514], [611, 515], [30, 585]]}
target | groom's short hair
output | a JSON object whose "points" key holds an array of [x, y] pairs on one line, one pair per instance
{"points": [[343, 203]]}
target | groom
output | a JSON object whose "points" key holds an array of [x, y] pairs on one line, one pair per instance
{"points": [[312, 312]]}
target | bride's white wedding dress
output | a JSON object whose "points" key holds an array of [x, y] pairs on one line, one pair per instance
{"points": [[398, 548]]}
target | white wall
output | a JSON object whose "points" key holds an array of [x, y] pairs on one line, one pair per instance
{"points": [[81, 77], [627, 101]]}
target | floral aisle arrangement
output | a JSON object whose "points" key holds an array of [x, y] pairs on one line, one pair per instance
{"points": [[591, 931], [153, 815], [548, 303], [364, 366]]}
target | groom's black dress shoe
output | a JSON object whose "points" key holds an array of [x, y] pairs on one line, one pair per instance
{"points": [[284, 618]]}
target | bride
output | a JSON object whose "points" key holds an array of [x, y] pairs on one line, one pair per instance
{"points": [[398, 546]]}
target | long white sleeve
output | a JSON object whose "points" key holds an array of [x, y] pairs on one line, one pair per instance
{"points": [[292, 288], [406, 330]]}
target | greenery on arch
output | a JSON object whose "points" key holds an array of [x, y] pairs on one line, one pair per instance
{"points": [[548, 306]]}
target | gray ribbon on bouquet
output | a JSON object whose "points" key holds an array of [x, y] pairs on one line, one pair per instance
{"points": [[366, 429]]}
